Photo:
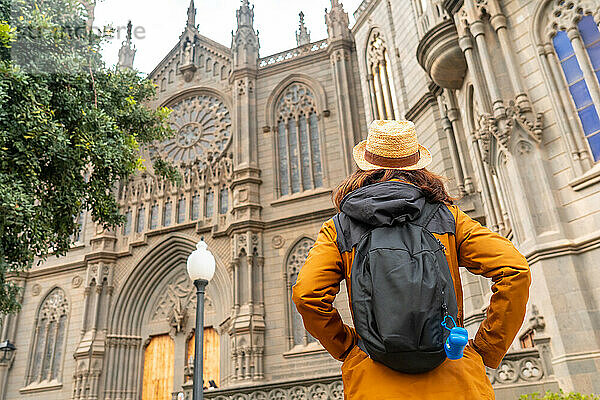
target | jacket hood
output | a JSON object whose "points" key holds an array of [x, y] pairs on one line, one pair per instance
{"points": [[384, 203]]}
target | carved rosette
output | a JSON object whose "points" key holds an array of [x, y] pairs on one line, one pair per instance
{"points": [[203, 131]]}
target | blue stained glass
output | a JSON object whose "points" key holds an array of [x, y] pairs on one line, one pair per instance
{"points": [[293, 141], [283, 163], [581, 95], [316, 150], [594, 142], [304, 154], [594, 53], [588, 30], [589, 120], [562, 45], [572, 71]]}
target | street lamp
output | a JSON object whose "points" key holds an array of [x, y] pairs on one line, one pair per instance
{"points": [[6, 347], [200, 268]]}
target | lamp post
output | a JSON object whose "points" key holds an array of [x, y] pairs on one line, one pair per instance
{"points": [[200, 268]]}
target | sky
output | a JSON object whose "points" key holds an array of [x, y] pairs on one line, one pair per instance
{"points": [[157, 24]]}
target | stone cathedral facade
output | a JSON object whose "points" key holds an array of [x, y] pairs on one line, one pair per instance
{"points": [[505, 93]]}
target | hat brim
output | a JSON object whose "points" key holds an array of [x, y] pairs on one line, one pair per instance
{"points": [[359, 157]]}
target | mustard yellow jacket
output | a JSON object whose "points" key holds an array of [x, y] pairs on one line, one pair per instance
{"points": [[473, 247]]}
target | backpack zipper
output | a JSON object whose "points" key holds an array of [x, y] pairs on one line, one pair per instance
{"points": [[440, 243]]}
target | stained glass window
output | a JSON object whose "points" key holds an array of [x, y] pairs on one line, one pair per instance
{"points": [[224, 201], [295, 261], [283, 159], [578, 87], [141, 219], [78, 235], [127, 226], [305, 153], [49, 341], [195, 206], [167, 212], [298, 143], [181, 210], [210, 203], [154, 216]]}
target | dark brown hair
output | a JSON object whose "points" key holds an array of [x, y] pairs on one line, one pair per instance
{"points": [[431, 184]]}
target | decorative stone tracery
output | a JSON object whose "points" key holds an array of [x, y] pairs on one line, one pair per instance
{"points": [[49, 340], [297, 336], [203, 126], [298, 140]]}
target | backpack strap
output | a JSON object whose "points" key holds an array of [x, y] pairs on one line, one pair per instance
{"points": [[427, 213]]}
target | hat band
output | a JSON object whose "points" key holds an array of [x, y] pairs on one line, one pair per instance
{"points": [[398, 162]]}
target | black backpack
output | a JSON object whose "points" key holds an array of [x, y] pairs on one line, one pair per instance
{"points": [[401, 291]]}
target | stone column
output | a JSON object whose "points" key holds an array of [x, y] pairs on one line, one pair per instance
{"points": [[342, 57]]}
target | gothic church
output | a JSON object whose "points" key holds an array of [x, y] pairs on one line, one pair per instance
{"points": [[505, 93]]}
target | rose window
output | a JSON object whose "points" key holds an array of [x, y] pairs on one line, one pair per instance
{"points": [[203, 130]]}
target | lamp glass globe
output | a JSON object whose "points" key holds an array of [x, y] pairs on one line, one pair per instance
{"points": [[201, 263]]}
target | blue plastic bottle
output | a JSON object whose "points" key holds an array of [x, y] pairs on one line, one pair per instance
{"points": [[457, 340]]}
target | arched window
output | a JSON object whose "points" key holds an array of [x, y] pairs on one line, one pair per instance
{"points": [[381, 85], [579, 56], [210, 203], [167, 211], [224, 200], [163, 84], [49, 339], [154, 216], [195, 206], [78, 235], [141, 220], [298, 146], [128, 221], [181, 210], [298, 336]]}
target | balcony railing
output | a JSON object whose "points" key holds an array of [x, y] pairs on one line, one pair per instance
{"points": [[522, 371], [292, 54], [325, 388]]}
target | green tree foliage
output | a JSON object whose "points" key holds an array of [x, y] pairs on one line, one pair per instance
{"points": [[70, 129], [559, 396]]}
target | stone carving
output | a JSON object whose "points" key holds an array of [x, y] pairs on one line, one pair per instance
{"points": [[175, 303], [519, 367], [298, 99], [36, 289], [566, 14], [298, 256], [203, 126], [278, 241], [316, 391], [76, 281]]}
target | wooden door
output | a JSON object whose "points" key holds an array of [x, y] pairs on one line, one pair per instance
{"points": [[211, 357], [159, 368]]}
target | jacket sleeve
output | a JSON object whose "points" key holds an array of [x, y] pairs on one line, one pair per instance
{"points": [[486, 253], [316, 287]]}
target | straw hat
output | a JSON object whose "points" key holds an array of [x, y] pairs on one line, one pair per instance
{"points": [[391, 144]]}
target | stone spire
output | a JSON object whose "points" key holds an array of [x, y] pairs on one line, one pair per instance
{"points": [[302, 35], [191, 13], [337, 22], [245, 45], [127, 51]]}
